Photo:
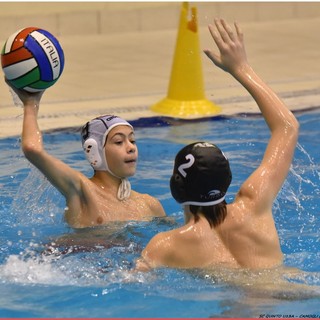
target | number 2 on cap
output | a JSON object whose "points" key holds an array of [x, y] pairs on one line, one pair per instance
{"points": [[187, 165]]}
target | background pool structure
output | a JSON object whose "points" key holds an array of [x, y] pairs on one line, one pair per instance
{"points": [[96, 280]]}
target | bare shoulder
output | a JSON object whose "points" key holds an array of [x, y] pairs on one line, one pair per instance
{"points": [[156, 252], [153, 204], [171, 249], [159, 249]]}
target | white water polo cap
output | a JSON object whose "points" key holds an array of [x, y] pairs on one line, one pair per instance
{"points": [[201, 175], [94, 136]]}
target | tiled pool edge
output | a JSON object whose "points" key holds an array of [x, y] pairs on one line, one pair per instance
{"points": [[57, 116]]}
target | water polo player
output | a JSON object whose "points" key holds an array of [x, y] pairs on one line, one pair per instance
{"points": [[241, 234], [110, 147]]}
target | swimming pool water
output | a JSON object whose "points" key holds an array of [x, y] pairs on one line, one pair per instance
{"points": [[96, 279]]}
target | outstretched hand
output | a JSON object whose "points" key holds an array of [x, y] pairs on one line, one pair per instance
{"points": [[26, 97], [232, 55]]}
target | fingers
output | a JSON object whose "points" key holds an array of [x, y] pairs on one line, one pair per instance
{"points": [[225, 33], [26, 96], [229, 40], [239, 31], [216, 36]]}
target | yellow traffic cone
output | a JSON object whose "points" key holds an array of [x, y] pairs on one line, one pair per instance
{"points": [[185, 97]]}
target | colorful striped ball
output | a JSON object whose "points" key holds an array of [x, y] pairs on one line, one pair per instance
{"points": [[32, 59]]}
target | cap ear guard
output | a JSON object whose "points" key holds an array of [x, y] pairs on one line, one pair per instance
{"points": [[177, 187], [92, 153]]}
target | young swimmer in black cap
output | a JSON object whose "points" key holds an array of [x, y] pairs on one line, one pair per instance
{"points": [[109, 144], [241, 234]]}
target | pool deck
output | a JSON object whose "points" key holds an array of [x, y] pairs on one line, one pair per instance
{"points": [[126, 73]]}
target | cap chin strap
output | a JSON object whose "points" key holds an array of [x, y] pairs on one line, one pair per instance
{"points": [[124, 189]]}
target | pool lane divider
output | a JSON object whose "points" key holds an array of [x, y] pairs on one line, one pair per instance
{"points": [[186, 94]]}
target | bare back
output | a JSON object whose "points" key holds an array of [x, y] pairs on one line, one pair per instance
{"points": [[243, 240], [252, 239]]}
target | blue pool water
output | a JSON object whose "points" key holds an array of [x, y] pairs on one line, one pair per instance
{"points": [[96, 279]]}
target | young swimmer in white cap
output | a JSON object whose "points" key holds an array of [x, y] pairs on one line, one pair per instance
{"points": [[109, 145], [241, 234]]}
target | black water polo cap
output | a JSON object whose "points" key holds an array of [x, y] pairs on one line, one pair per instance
{"points": [[201, 175]]}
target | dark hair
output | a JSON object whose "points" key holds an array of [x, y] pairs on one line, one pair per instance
{"points": [[215, 215]]}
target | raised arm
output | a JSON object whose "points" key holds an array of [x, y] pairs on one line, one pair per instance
{"points": [[64, 178], [265, 182]]}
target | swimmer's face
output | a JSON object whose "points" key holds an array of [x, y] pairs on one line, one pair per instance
{"points": [[121, 151]]}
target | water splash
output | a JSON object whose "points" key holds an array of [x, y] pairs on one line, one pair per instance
{"points": [[93, 269], [36, 201], [28, 268]]}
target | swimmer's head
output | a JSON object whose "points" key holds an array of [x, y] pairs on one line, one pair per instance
{"points": [[201, 175], [94, 136]]}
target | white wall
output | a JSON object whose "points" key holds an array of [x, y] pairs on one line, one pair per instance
{"points": [[69, 18]]}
